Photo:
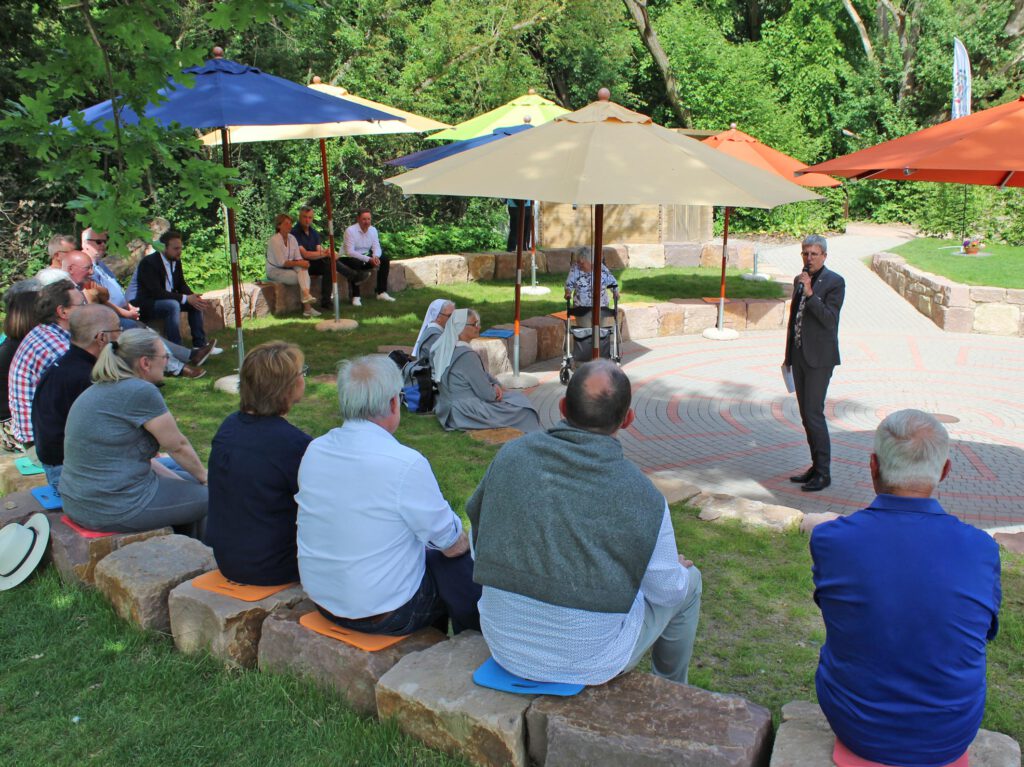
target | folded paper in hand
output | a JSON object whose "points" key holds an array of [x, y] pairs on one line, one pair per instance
{"points": [[787, 378]]}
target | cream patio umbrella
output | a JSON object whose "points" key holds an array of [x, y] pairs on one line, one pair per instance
{"points": [[601, 154], [403, 122]]}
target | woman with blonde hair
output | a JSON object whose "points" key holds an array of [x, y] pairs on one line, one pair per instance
{"points": [[285, 263], [112, 480], [254, 470]]}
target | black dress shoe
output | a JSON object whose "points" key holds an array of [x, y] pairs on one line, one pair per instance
{"points": [[807, 476], [816, 483]]}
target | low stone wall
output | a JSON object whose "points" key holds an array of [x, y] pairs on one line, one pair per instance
{"points": [[950, 305]]}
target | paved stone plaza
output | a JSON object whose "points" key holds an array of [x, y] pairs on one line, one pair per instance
{"points": [[717, 413]]}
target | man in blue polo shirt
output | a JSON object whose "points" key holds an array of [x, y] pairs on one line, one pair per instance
{"points": [[910, 596], [311, 250]]}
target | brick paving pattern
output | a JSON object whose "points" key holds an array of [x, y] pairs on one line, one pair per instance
{"points": [[717, 413]]}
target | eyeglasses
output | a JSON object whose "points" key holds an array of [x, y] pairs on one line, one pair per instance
{"points": [[472, 324], [807, 253], [98, 242], [158, 356], [109, 332], [83, 302]]}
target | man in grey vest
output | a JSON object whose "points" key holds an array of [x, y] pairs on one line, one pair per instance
{"points": [[575, 549]]}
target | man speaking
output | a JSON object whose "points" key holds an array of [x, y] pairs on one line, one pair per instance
{"points": [[812, 351]]}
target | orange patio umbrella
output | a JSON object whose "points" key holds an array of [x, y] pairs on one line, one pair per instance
{"points": [[983, 148], [743, 146]]}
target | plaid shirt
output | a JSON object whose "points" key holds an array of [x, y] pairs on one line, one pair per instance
{"points": [[38, 350]]}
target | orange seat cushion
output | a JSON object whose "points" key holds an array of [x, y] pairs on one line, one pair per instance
{"points": [[844, 757], [314, 621], [215, 582], [81, 530]]}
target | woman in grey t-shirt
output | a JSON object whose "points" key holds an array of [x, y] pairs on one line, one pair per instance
{"points": [[111, 480]]}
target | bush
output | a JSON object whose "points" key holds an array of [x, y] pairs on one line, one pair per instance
{"points": [[795, 219]]}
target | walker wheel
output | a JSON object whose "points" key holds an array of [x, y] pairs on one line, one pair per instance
{"points": [[564, 375]]}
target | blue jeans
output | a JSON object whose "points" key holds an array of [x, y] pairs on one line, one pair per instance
{"points": [[52, 476], [169, 312]]}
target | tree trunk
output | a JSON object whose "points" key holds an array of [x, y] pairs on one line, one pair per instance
{"points": [[865, 38], [638, 10], [1015, 24]]}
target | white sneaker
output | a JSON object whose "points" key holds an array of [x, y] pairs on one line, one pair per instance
{"points": [[215, 350], [357, 301], [309, 311], [384, 297]]}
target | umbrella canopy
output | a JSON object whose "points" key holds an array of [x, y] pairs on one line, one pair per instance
{"points": [[399, 121], [226, 93], [742, 146], [531, 108], [982, 148], [603, 154], [427, 156]]}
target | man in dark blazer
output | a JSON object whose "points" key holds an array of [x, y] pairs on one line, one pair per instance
{"points": [[164, 295], [812, 351]]}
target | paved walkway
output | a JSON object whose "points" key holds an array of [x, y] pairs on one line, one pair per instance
{"points": [[717, 414]]}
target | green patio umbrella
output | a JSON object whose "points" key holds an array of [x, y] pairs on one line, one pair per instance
{"points": [[530, 108]]}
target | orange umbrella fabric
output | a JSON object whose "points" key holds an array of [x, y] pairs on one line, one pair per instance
{"points": [[744, 147], [983, 148]]}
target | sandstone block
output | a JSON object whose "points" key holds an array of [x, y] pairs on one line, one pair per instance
{"points": [[640, 719], [711, 254], [735, 315], [1014, 296], [536, 257], [639, 321], [227, 628], [682, 254], [480, 266], [671, 486], [420, 272], [288, 648], [76, 557], [957, 295], [137, 579], [558, 260], [744, 254], [494, 353], [924, 305], [805, 740], [997, 319], [550, 336], [646, 256], [954, 319], [765, 314], [616, 256], [396, 279], [1011, 541], [431, 696], [527, 345], [698, 316], [671, 319], [984, 295], [17, 507], [719, 506], [13, 481], [451, 269], [812, 519]]}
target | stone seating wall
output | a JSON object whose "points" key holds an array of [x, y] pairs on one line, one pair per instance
{"points": [[950, 305]]}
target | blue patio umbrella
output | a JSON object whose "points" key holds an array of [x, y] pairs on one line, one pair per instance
{"points": [[227, 93], [427, 156]]}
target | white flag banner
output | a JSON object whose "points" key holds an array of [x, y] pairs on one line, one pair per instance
{"points": [[961, 81]]}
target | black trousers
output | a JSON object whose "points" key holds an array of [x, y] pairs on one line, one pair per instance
{"points": [[811, 387], [355, 271], [513, 229], [321, 267]]}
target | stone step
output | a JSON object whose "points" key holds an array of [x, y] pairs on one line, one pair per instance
{"points": [[431, 696], [137, 579], [77, 557], [640, 719], [286, 647], [226, 627], [17, 507], [805, 739]]}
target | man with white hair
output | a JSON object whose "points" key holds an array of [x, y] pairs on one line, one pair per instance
{"points": [[910, 595], [58, 245], [386, 555]]}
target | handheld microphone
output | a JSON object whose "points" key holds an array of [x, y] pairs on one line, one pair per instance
{"points": [[800, 285]]}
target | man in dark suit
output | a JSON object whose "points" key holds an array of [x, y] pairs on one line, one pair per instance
{"points": [[812, 351], [164, 295]]}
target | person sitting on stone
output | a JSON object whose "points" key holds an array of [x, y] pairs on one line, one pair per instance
{"points": [[19, 319], [576, 552], [910, 596], [362, 254], [92, 327], [286, 265], [111, 481], [79, 268], [312, 250], [43, 345], [252, 533], [380, 549], [58, 245], [438, 313], [468, 396], [579, 284]]}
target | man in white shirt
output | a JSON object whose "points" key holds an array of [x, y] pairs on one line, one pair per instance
{"points": [[362, 253], [380, 550]]}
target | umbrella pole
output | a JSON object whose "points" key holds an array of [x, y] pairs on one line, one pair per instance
{"points": [[720, 332], [596, 281], [533, 289], [330, 229], [518, 381], [236, 282]]}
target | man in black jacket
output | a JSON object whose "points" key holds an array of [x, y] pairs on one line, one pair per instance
{"points": [[164, 294], [812, 352]]}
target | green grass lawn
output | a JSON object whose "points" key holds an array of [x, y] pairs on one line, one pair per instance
{"points": [[1000, 266]]}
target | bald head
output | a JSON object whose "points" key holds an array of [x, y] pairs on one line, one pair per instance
{"points": [[89, 321], [78, 265], [598, 398]]}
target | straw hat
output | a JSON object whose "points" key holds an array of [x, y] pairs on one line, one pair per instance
{"points": [[21, 548]]}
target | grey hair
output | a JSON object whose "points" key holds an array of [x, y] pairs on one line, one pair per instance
{"points": [[912, 448], [119, 365], [53, 247], [306, 209], [585, 253], [816, 239], [473, 314], [366, 386]]}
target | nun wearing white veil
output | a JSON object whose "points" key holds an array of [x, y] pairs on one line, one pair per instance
{"points": [[434, 320], [468, 397]]}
